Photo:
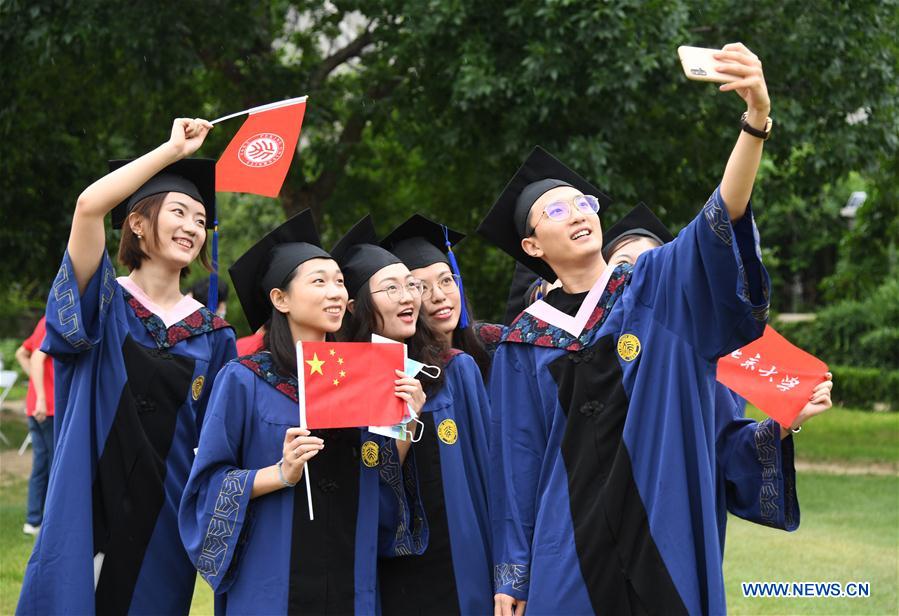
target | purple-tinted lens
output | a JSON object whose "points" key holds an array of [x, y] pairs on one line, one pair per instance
{"points": [[557, 211], [587, 204]]}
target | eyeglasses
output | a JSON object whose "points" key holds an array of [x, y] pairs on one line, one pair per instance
{"points": [[447, 284], [395, 292], [560, 211]]}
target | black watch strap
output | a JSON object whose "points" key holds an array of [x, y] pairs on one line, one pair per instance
{"points": [[761, 134]]}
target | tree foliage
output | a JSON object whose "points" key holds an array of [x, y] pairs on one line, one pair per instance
{"points": [[430, 105]]}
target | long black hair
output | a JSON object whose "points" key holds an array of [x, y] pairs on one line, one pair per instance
{"points": [[424, 346], [467, 341], [278, 340]]}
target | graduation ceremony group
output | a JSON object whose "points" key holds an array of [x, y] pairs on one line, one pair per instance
{"points": [[376, 448]]}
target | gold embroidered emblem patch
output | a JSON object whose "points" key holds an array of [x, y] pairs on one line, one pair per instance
{"points": [[628, 347], [447, 431], [196, 388], [370, 454]]}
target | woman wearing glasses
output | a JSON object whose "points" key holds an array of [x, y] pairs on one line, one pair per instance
{"points": [[454, 575], [384, 299], [244, 517]]}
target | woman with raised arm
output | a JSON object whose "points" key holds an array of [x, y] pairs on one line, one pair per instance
{"points": [[139, 360]]}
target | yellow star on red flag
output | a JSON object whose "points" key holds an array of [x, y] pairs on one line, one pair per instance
{"points": [[315, 365]]}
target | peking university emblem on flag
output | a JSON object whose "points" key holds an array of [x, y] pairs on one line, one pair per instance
{"points": [[261, 150], [370, 454], [628, 347], [447, 431]]}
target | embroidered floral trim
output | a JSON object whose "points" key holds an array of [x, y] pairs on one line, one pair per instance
{"points": [[200, 322], [264, 366], [490, 334], [528, 329]]}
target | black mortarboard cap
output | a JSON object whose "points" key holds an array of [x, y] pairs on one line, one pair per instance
{"points": [[506, 223], [195, 177], [420, 242], [359, 255], [639, 221], [270, 261]]}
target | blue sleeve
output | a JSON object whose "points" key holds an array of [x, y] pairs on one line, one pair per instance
{"points": [[470, 397], [402, 524], [755, 465], [709, 285], [224, 349], [74, 321], [518, 441], [213, 516]]}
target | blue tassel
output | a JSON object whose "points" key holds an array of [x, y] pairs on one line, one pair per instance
{"points": [[463, 309], [212, 301]]}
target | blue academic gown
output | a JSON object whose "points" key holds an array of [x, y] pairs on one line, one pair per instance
{"points": [[756, 478], [454, 575], [137, 393], [603, 446], [264, 556]]}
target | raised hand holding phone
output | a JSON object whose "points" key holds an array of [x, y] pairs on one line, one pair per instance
{"points": [[699, 64]]}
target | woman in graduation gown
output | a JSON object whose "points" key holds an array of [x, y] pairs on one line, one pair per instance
{"points": [[756, 478], [244, 518], [454, 575], [140, 359], [603, 441]]}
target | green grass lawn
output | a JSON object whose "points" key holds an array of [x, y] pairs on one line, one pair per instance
{"points": [[848, 533], [849, 527], [15, 546], [842, 434]]}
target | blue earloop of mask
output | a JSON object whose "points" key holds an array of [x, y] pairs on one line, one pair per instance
{"points": [[412, 368]]}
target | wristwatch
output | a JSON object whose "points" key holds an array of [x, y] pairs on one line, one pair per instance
{"points": [[763, 134]]}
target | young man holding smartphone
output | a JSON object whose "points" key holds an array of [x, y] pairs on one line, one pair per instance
{"points": [[603, 393]]}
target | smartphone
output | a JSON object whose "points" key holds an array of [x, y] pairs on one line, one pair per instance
{"points": [[699, 63]]}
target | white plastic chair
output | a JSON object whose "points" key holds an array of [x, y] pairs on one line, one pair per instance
{"points": [[7, 380]]}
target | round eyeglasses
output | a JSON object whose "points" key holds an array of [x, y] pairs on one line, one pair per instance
{"points": [[561, 210], [395, 292], [446, 283]]}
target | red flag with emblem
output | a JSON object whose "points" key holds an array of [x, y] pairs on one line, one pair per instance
{"points": [[773, 374], [351, 384], [258, 157]]}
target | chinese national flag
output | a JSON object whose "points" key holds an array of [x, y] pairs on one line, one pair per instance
{"points": [[773, 374], [350, 384], [257, 159]]}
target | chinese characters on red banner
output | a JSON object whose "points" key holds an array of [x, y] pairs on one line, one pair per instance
{"points": [[773, 374]]}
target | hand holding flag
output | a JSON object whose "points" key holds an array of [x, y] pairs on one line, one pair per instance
{"points": [[776, 376]]}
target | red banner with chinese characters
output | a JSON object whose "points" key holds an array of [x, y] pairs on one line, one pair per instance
{"points": [[351, 384], [773, 374]]}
